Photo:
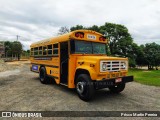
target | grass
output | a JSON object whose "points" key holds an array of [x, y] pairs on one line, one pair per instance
{"points": [[148, 77]]}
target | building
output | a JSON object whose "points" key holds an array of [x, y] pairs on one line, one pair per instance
{"points": [[2, 49]]}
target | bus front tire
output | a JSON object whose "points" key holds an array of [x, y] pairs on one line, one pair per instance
{"points": [[43, 75], [84, 87], [118, 88]]}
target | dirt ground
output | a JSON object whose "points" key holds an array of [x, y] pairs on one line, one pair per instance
{"points": [[20, 90]]}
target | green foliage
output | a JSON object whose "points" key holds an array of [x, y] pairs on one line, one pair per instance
{"points": [[132, 62], [16, 47], [120, 40], [108, 50], [13, 48], [8, 48], [146, 77], [152, 55], [138, 54], [77, 27], [94, 28], [28, 51]]}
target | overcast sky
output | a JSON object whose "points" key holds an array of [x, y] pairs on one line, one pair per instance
{"points": [[34, 20]]}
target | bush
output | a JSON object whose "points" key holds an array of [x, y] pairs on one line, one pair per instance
{"points": [[132, 63]]}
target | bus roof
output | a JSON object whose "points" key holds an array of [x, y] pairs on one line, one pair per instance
{"points": [[61, 38]]}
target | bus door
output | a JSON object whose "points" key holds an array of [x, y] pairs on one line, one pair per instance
{"points": [[64, 58]]}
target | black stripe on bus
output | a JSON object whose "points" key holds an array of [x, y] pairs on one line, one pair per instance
{"points": [[44, 56], [53, 66]]}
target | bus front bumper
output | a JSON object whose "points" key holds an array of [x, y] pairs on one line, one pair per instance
{"points": [[104, 83]]}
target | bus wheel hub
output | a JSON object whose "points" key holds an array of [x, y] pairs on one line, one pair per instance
{"points": [[80, 87]]}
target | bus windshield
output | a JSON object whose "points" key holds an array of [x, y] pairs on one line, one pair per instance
{"points": [[85, 47]]}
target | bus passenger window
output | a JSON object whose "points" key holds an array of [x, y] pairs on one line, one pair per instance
{"points": [[40, 50], [44, 50], [36, 51], [55, 49], [32, 51], [49, 49]]}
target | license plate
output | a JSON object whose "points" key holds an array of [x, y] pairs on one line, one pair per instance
{"points": [[118, 80], [35, 67]]}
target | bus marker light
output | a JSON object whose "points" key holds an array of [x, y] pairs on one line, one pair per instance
{"points": [[77, 34], [81, 36]]}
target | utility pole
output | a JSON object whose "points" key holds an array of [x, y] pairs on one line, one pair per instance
{"points": [[16, 55], [18, 37]]}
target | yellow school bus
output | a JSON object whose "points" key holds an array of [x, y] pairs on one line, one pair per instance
{"points": [[78, 60]]}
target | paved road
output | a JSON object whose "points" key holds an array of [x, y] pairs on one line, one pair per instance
{"points": [[21, 90]]}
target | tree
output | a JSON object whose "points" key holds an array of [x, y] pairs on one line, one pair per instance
{"points": [[17, 48], [8, 48], [94, 28], [63, 30], [120, 40], [140, 55], [152, 55], [13, 49], [77, 27], [137, 55], [28, 51]]}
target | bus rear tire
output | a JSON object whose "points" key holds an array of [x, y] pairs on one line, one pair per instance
{"points": [[118, 88], [84, 87], [43, 76]]}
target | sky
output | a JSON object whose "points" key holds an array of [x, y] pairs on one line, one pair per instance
{"points": [[34, 20]]}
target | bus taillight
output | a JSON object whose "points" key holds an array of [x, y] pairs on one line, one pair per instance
{"points": [[102, 38]]}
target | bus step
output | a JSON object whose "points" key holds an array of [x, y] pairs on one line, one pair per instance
{"points": [[64, 84]]}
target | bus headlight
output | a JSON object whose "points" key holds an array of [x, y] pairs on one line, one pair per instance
{"points": [[123, 65], [104, 66]]}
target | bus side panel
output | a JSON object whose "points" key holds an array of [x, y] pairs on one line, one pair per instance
{"points": [[71, 74], [53, 72], [52, 68]]}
